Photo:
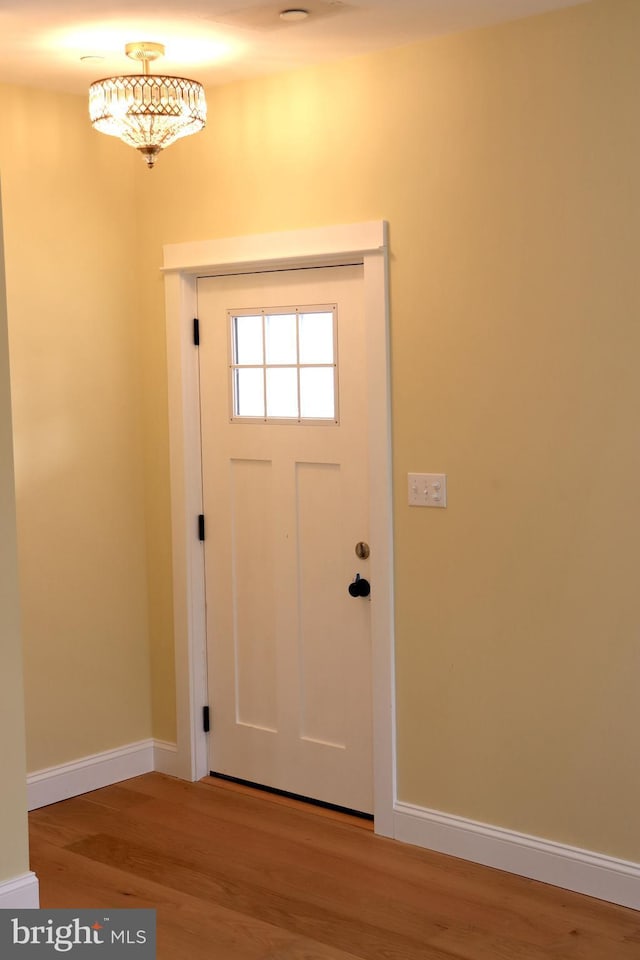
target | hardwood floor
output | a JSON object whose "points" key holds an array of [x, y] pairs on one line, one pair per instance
{"points": [[238, 876]]}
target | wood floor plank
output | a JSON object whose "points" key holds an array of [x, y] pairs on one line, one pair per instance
{"points": [[364, 823], [448, 873], [248, 856], [53, 831], [262, 896], [272, 880], [117, 797], [450, 885], [187, 926]]}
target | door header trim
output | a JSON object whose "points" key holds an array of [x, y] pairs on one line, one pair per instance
{"points": [[322, 246]]}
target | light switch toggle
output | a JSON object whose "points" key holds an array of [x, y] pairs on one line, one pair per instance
{"points": [[427, 489]]}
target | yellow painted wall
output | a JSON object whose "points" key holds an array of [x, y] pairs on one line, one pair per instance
{"points": [[157, 490], [14, 859], [75, 344], [507, 164]]}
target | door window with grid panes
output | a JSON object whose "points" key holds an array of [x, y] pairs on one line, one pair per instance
{"points": [[283, 364]]}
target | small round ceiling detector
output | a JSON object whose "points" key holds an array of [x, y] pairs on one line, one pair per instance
{"points": [[294, 14]]}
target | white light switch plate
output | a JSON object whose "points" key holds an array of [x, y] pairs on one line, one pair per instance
{"points": [[427, 489]]}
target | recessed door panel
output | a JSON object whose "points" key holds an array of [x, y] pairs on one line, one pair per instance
{"points": [[254, 622]]}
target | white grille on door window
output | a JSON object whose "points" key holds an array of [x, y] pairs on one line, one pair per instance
{"points": [[283, 364]]}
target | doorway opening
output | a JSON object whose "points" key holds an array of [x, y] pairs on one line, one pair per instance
{"points": [[361, 244]]}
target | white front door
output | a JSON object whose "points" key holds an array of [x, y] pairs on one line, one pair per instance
{"points": [[286, 502]]}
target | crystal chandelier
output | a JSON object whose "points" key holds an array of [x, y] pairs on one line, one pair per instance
{"points": [[148, 112]]}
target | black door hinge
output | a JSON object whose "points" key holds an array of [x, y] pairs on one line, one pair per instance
{"points": [[196, 332], [205, 719], [201, 526]]}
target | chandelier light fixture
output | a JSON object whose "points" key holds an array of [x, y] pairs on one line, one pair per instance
{"points": [[149, 112]]}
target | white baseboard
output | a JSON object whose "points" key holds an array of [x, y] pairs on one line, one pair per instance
{"points": [[100, 770], [583, 871], [594, 874], [165, 757], [20, 893], [89, 773]]}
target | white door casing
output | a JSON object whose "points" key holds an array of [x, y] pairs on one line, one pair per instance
{"points": [[286, 502], [364, 243]]}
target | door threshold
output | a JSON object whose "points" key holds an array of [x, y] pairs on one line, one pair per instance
{"points": [[332, 811]]}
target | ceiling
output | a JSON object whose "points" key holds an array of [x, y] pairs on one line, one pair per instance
{"points": [[215, 41]]}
